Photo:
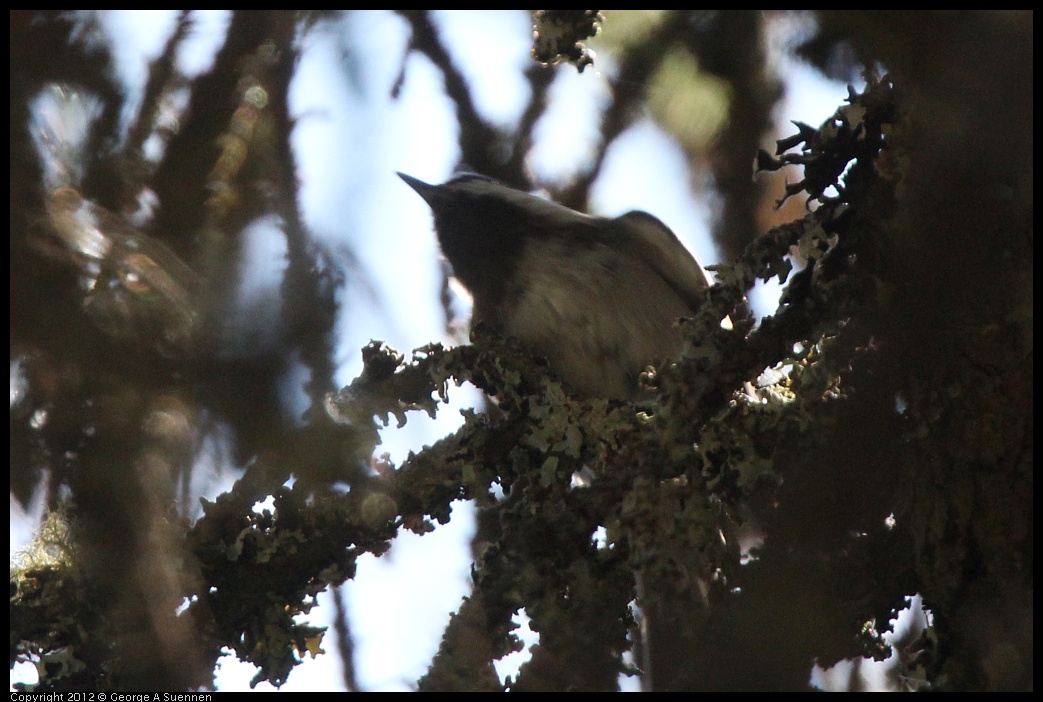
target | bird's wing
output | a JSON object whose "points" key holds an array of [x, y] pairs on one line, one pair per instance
{"points": [[646, 237]]}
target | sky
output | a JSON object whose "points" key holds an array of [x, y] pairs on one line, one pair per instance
{"points": [[351, 137]]}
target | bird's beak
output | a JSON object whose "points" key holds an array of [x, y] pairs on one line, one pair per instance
{"points": [[425, 190]]}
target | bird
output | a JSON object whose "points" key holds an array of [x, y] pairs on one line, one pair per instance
{"points": [[599, 298]]}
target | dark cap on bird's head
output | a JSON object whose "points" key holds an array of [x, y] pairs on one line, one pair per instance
{"points": [[490, 207]]}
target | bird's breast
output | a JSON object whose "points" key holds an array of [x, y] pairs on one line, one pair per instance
{"points": [[598, 316]]}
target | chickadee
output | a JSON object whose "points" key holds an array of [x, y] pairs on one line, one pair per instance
{"points": [[597, 297]]}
